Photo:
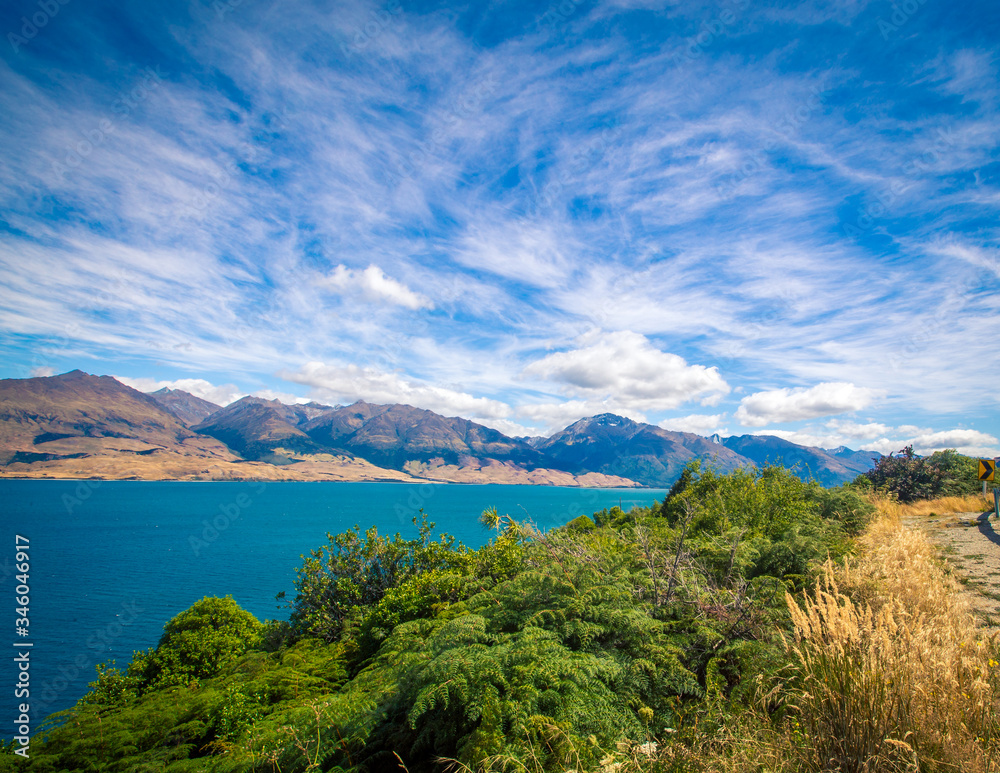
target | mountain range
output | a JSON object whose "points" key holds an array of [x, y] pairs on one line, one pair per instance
{"points": [[76, 425]]}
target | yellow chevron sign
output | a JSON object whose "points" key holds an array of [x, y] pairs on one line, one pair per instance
{"points": [[987, 468]]}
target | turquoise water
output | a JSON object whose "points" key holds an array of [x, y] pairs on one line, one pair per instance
{"points": [[112, 561]]}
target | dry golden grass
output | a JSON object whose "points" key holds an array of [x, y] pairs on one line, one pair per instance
{"points": [[895, 673], [892, 673], [975, 503]]}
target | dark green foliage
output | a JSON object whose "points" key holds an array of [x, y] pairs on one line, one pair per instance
{"points": [[845, 504], [537, 651], [582, 523], [910, 477], [353, 572], [959, 473], [198, 642]]}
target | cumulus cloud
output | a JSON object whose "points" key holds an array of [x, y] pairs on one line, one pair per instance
{"points": [[700, 424], [626, 367], [779, 405], [222, 395], [509, 428], [890, 440], [966, 441], [557, 416], [347, 383], [373, 285], [42, 370]]}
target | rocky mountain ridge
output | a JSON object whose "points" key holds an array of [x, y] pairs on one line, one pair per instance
{"points": [[78, 425]]}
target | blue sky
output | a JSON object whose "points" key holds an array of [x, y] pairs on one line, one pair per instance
{"points": [[735, 217]]}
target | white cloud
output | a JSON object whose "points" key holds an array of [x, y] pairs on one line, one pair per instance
{"points": [[509, 428], [373, 285], [567, 193], [700, 424], [857, 431], [965, 441], [518, 251], [42, 370], [624, 367], [989, 260], [558, 416], [779, 405], [281, 397], [890, 440], [347, 383], [806, 438], [222, 395]]}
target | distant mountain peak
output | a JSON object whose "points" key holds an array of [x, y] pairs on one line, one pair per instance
{"points": [[602, 420], [187, 407]]}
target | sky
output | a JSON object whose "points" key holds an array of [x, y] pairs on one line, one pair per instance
{"points": [[734, 217]]}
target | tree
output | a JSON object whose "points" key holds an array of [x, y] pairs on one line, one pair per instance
{"points": [[197, 643], [911, 477], [354, 572]]}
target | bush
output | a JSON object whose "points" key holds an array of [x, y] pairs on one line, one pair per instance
{"points": [[911, 477], [197, 643], [353, 572], [845, 504]]}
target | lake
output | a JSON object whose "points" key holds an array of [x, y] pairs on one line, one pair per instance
{"points": [[112, 561]]}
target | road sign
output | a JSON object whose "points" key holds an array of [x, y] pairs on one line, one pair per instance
{"points": [[987, 468]]}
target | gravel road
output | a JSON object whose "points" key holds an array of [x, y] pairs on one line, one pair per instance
{"points": [[970, 545]]}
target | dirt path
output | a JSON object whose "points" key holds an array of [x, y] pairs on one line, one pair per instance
{"points": [[970, 545]]}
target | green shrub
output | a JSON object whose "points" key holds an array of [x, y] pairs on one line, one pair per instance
{"points": [[197, 643]]}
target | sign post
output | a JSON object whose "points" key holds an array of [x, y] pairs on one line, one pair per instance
{"points": [[987, 472]]}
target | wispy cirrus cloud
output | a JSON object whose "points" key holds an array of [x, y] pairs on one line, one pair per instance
{"points": [[781, 197]]}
